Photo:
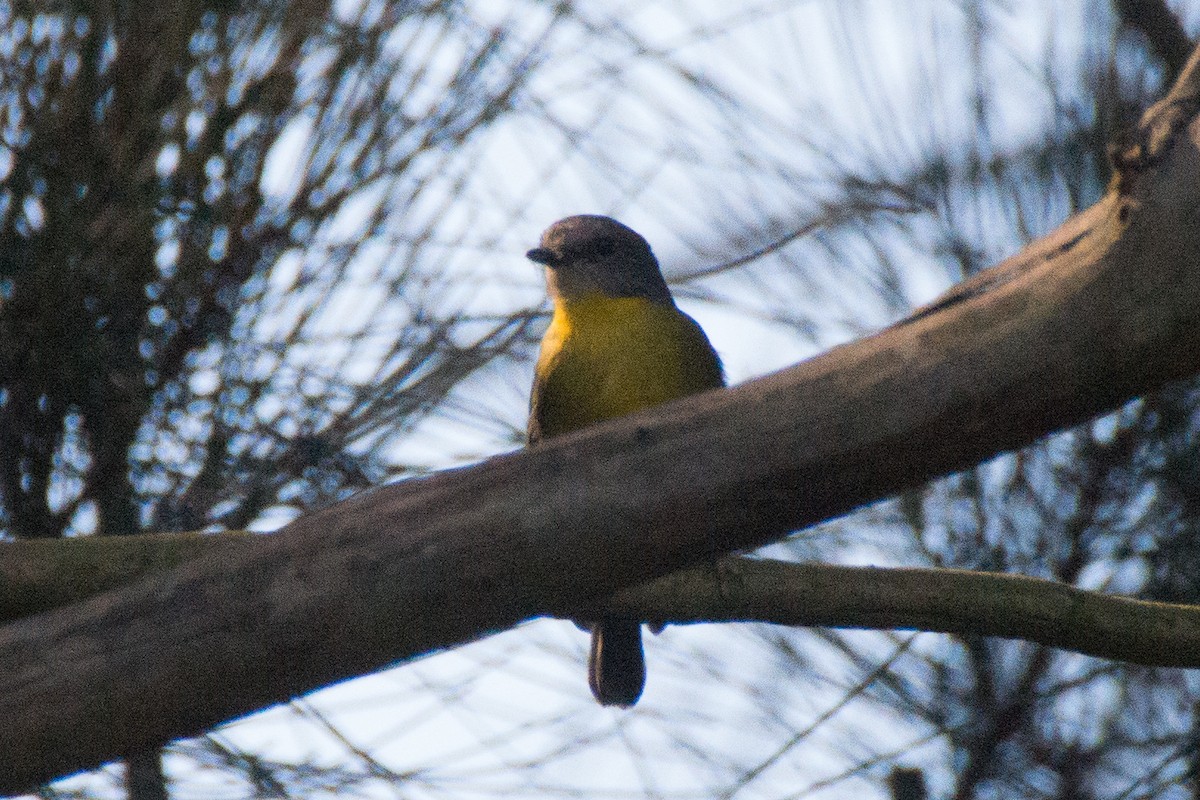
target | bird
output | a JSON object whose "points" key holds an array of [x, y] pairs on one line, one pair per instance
{"points": [[616, 344]]}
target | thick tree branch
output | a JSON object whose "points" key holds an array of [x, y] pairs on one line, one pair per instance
{"points": [[44, 573], [40, 574], [1104, 309]]}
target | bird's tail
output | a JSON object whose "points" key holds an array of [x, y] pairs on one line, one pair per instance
{"points": [[616, 665]]}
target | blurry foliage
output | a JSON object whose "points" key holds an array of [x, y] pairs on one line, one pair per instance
{"points": [[215, 255], [250, 253]]}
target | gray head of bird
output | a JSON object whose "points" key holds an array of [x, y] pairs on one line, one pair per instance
{"points": [[590, 254]]}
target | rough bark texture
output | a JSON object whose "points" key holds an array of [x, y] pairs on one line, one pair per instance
{"points": [[1104, 309]]}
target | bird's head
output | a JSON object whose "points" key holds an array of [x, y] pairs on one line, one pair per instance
{"points": [[592, 254]]}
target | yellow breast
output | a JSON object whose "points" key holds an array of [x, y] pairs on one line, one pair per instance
{"points": [[604, 357]]}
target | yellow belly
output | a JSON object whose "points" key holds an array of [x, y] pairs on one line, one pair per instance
{"points": [[605, 357]]}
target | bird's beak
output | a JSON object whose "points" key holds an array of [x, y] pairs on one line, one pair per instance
{"points": [[541, 255]]}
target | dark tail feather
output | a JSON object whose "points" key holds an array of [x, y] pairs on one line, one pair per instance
{"points": [[616, 666]]}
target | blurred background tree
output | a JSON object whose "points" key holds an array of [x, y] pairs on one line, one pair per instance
{"points": [[256, 257]]}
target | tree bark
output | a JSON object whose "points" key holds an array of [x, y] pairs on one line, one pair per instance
{"points": [[1104, 309], [39, 574], [942, 600]]}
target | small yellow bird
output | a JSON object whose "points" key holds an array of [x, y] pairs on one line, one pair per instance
{"points": [[616, 344]]}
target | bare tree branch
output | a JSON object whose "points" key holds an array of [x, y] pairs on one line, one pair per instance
{"points": [[942, 600], [42, 574]]}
